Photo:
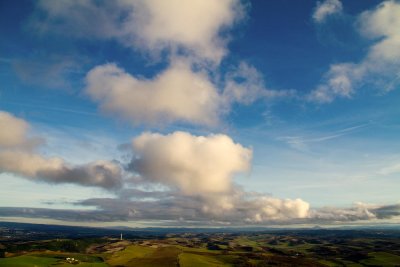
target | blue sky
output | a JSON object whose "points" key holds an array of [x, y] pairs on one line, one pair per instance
{"points": [[189, 112]]}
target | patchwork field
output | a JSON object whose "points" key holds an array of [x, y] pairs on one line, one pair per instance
{"points": [[212, 249], [51, 259]]}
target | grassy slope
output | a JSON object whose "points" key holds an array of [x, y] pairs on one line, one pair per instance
{"points": [[51, 259], [24, 261], [137, 255], [198, 250], [383, 259], [245, 241], [194, 260], [126, 255], [164, 256], [145, 256]]}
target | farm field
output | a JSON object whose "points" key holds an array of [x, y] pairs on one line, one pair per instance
{"points": [[46, 260], [285, 248]]}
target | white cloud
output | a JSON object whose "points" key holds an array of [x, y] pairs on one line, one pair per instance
{"points": [[267, 209], [200, 169], [54, 170], [191, 35], [391, 169], [359, 211], [383, 24], [196, 165], [19, 158], [150, 25], [245, 84], [186, 211], [325, 9], [194, 25], [177, 94], [381, 65], [339, 82], [15, 135]]}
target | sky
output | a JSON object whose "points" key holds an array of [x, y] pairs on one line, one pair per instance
{"points": [[200, 113]]}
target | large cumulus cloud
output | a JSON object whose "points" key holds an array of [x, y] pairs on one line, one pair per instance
{"points": [[197, 177], [158, 24], [21, 159], [193, 164], [177, 94], [200, 170], [148, 25], [197, 173]]}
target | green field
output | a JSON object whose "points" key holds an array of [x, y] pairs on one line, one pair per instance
{"points": [[129, 253], [133, 255], [145, 256], [137, 255], [24, 261], [198, 250], [194, 260], [382, 259], [50, 259], [207, 250], [245, 241]]}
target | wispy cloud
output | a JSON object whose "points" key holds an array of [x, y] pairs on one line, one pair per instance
{"points": [[391, 169], [51, 108], [302, 142], [325, 9], [380, 66]]}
